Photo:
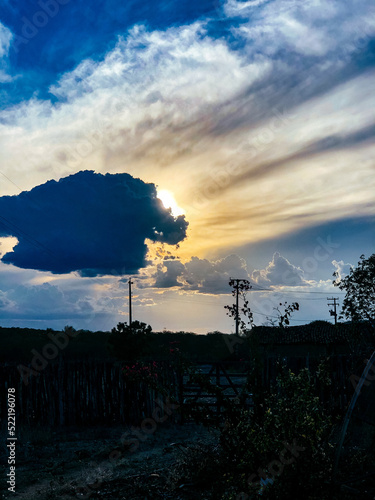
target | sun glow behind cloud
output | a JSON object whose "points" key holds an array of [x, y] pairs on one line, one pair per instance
{"points": [[168, 200]]}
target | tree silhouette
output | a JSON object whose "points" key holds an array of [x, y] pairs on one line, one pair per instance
{"points": [[241, 287], [359, 285], [283, 318], [129, 342]]}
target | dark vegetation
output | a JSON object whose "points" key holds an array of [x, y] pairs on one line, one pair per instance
{"points": [[289, 418], [16, 344], [359, 286]]}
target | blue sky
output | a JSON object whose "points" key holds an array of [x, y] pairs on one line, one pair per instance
{"points": [[56, 41], [256, 119]]}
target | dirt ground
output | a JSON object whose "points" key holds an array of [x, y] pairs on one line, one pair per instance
{"points": [[103, 463]]}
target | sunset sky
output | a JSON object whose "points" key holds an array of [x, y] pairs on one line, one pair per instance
{"points": [[253, 120]]}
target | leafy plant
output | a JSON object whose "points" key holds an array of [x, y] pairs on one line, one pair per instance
{"points": [[283, 317], [252, 442], [359, 285]]}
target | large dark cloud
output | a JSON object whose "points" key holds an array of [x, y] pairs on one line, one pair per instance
{"points": [[91, 223]]}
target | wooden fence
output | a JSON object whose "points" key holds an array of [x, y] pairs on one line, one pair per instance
{"points": [[222, 382], [83, 393], [98, 393], [231, 377]]}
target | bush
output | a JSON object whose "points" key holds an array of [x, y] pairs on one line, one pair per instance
{"points": [[129, 342], [281, 451]]}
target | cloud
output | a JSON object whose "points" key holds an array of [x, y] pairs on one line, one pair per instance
{"points": [[167, 274], [312, 29], [334, 142], [200, 275], [180, 105], [5, 41], [212, 277], [279, 272], [54, 302], [91, 223], [38, 301], [5, 303], [341, 269]]}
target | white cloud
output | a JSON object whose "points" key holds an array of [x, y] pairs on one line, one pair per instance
{"points": [[28, 295], [5, 41], [147, 87], [213, 276], [167, 274], [315, 28], [5, 303], [180, 63], [199, 275], [279, 272], [342, 269], [234, 8]]}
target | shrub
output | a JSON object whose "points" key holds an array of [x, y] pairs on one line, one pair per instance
{"points": [[290, 426]]}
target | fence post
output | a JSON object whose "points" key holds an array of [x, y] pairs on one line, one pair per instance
{"points": [[61, 390], [218, 395], [180, 395]]}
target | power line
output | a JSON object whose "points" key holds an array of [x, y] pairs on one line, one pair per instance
{"points": [[10, 180], [306, 298], [297, 293], [24, 235], [291, 291], [277, 317]]}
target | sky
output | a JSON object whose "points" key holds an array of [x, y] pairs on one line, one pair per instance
{"points": [[181, 144]]}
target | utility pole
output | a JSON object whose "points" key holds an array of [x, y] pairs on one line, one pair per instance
{"points": [[333, 312], [236, 286], [130, 303], [237, 311]]}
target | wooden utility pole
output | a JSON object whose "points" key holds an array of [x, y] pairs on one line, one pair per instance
{"points": [[236, 286], [130, 302], [333, 312]]}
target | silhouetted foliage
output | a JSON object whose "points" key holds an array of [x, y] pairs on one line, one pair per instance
{"points": [[245, 316], [283, 317], [280, 452], [243, 287], [359, 285], [129, 342]]}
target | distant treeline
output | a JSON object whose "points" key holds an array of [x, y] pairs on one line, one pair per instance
{"points": [[20, 344]]}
